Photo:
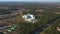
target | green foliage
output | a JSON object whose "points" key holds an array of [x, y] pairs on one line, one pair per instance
{"points": [[46, 17], [52, 29], [26, 28], [3, 10]]}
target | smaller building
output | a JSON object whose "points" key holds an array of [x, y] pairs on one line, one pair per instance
{"points": [[29, 17], [58, 28]]}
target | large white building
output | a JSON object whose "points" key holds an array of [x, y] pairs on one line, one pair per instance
{"points": [[29, 17]]}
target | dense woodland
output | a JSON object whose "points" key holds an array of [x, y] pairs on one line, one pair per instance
{"points": [[52, 29]]}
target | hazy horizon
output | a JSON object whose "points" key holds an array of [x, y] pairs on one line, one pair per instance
{"points": [[29, 0]]}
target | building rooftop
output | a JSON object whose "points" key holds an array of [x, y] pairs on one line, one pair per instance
{"points": [[29, 17]]}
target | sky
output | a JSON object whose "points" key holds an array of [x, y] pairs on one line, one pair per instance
{"points": [[30, 0]]}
